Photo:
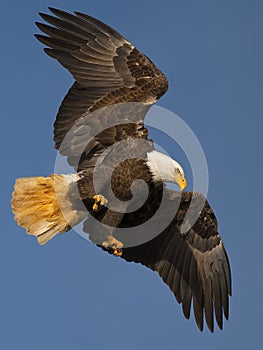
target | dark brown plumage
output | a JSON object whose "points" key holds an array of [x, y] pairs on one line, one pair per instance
{"points": [[109, 71]]}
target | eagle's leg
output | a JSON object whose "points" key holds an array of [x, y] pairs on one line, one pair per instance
{"points": [[99, 201], [114, 245]]}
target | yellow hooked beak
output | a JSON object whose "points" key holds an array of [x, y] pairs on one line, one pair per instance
{"points": [[182, 183]]}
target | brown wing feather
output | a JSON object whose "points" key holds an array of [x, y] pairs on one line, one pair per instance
{"points": [[194, 264], [107, 68]]}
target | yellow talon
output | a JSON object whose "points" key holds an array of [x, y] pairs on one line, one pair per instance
{"points": [[117, 252], [113, 244], [100, 201]]}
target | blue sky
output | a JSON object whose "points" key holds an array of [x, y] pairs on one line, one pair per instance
{"points": [[69, 293]]}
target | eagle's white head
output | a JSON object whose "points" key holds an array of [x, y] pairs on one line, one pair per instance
{"points": [[164, 168]]}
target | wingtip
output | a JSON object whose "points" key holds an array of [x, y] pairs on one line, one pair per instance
{"points": [[200, 326], [38, 24], [58, 12], [40, 38], [37, 36], [53, 9], [49, 51], [211, 327], [43, 15]]}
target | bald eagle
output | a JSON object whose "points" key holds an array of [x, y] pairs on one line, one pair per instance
{"points": [[99, 124]]}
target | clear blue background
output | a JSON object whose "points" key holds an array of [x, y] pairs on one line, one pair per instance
{"points": [[69, 294]]}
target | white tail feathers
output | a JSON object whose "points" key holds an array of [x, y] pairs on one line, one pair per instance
{"points": [[41, 205]]}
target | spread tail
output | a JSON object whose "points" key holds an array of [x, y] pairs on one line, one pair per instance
{"points": [[42, 207]]}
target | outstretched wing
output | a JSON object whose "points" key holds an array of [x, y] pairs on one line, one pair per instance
{"points": [[194, 264], [107, 70]]}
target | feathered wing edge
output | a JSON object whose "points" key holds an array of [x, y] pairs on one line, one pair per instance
{"points": [[194, 265], [107, 68]]}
